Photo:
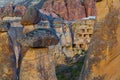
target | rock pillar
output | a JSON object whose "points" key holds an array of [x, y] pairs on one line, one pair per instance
{"points": [[36, 61]]}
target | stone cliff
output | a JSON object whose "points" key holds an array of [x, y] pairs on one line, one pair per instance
{"points": [[7, 55], [71, 10], [66, 9], [103, 57]]}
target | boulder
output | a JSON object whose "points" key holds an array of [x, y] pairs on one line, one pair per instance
{"points": [[71, 10], [31, 17], [39, 38]]}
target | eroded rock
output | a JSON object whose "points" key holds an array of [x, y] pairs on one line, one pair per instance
{"points": [[71, 10], [103, 55], [7, 55], [39, 38], [36, 61], [37, 64], [32, 16]]}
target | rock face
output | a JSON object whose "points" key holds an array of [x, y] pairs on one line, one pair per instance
{"points": [[103, 58], [104, 7], [7, 10], [70, 10], [7, 55], [36, 62], [101, 7], [90, 7]]}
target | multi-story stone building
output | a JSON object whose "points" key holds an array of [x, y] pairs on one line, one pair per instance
{"points": [[83, 31]]}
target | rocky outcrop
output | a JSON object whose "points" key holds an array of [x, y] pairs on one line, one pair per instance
{"points": [[90, 7], [71, 10], [103, 55], [39, 38], [37, 64], [66, 9], [7, 55], [8, 10], [36, 61], [104, 7]]}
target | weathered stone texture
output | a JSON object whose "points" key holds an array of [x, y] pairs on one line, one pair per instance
{"points": [[8, 10], [37, 64], [7, 57], [71, 10], [102, 60], [39, 38], [82, 31], [36, 61], [90, 7], [32, 16]]}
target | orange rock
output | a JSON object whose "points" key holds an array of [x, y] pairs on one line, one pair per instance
{"points": [[103, 58]]}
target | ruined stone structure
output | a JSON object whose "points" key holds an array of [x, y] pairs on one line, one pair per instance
{"points": [[83, 31], [71, 10]]}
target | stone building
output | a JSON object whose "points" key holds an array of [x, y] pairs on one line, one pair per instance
{"points": [[83, 31]]}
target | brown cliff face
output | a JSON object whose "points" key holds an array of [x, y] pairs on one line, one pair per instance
{"points": [[103, 7], [71, 10], [103, 58], [90, 7], [37, 64], [7, 56]]}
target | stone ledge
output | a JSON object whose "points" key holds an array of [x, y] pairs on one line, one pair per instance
{"points": [[39, 38]]}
